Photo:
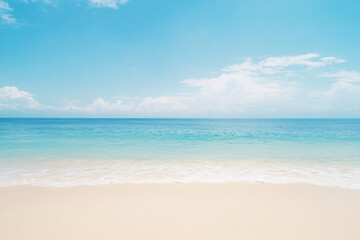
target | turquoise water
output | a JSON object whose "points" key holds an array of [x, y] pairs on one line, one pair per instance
{"points": [[91, 151]]}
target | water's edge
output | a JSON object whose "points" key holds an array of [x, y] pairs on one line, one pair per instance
{"points": [[83, 172]]}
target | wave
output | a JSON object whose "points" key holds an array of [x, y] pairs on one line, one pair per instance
{"points": [[94, 172]]}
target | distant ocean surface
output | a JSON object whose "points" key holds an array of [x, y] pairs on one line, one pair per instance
{"points": [[67, 152]]}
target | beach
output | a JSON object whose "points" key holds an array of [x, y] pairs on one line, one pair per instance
{"points": [[179, 120], [179, 179], [180, 211]]}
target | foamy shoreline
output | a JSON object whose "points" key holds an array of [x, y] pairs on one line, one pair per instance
{"points": [[82, 172]]}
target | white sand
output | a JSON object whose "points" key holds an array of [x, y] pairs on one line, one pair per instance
{"points": [[180, 211]]}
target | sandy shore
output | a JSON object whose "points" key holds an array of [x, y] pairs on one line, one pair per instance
{"points": [[180, 211]]}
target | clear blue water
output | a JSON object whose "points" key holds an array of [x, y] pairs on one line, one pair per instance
{"points": [[25, 143]]}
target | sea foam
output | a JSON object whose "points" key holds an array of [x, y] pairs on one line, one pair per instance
{"points": [[90, 172]]}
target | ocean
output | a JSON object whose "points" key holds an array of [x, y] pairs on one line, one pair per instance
{"points": [[68, 152]]}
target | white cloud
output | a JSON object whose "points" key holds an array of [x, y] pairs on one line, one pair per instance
{"points": [[273, 65], [5, 6], [6, 16], [5, 13], [164, 104], [269, 84], [329, 60], [241, 87], [343, 94], [51, 2], [94, 3], [100, 105], [345, 81], [148, 104], [309, 60], [13, 98], [344, 76], [265, 86], [107, 3]]}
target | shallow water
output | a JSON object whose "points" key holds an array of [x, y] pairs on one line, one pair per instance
{"points": [[94, 151]]}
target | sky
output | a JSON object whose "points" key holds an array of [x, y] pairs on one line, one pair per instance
{"points": [[189, 58]]}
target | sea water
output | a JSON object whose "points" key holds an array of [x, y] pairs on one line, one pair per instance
{"points": [[66, 152]]}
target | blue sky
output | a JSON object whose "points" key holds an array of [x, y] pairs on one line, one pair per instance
{"points": [[137, 58]]}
